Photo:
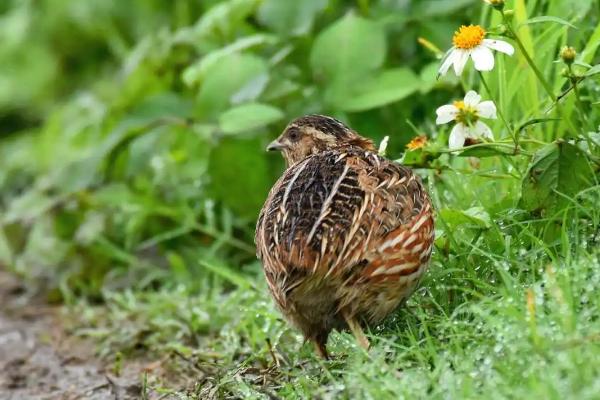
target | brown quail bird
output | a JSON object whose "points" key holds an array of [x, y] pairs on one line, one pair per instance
{"points": [[344, 235]]}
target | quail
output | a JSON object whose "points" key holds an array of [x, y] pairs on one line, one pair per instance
{"points": [[345, 235]]}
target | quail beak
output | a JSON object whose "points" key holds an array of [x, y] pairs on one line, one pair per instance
{"points": [[276, 145]]}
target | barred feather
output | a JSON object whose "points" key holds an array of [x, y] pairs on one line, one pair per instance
{"points": [[343, 231]]}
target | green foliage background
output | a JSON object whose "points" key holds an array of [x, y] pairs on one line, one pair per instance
{"points": [[134, 125], [132, 138]]}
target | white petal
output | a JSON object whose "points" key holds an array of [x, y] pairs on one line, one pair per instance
{"points": [[499, 45], [460, 60], [447, 61], [383, 146], [446, 114], [486, 109], [457, 137], [482, 130], [472, 98], [483, 58]]}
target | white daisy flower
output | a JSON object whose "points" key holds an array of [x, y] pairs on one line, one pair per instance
{"points": [[467, 113], [469, 41]]}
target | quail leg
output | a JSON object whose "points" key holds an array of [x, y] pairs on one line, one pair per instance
{"points": [[357, 331], [320, 349], [319, 342]]}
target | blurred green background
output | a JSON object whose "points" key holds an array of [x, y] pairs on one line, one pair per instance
{"points": [[133, 132]]}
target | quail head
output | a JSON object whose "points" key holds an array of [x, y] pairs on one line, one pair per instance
{"points": [[344, 235]]}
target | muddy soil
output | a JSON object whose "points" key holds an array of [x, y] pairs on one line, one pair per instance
{"points": [[39, 360]]}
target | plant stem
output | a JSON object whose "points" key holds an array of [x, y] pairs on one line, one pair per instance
{"points": [[573, 79], [534, 141], [499, 109], [580, 108], [537, 72], [507, 145]]}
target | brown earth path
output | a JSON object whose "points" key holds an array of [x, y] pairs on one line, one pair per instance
{"points": [[40, 361]]}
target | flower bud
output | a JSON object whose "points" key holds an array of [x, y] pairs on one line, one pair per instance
{"points": [[568, 54], [509, 14], [497, 4]]}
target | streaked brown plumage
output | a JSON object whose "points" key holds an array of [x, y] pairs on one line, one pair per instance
{"points": [[345, 235]]}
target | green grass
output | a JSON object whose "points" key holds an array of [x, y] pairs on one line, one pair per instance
{"points": [[523, 322], [132, 169]]}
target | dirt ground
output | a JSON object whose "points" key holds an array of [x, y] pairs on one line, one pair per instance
{"points": [[38, 360]]}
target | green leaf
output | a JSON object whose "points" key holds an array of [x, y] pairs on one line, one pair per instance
{"points": [[476, 217], [592, 71], [227, 273], [348, 50], [582, 64], [388, 87], [413, 158], [224, 18], [548, 18], [430, 8], [196, 72], [178, 266], [91, 226], [568, 9], [114, 195], [429, 77], [29, 206], [593, 41], [485, 151], [240, 161], [233, 77], [77, 175], [290, 17], [558, 168], [535, 121], [247, 117]]}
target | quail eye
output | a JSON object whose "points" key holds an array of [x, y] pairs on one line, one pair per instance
{"points": [[294, 135]]}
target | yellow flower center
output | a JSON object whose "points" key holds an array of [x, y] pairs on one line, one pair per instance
{"points": [[466, 114], [468, 37]]}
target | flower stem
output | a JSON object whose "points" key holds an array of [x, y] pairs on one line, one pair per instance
{"points": [[507, 146], [499, 109], [528, 58], [580, 106]]}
